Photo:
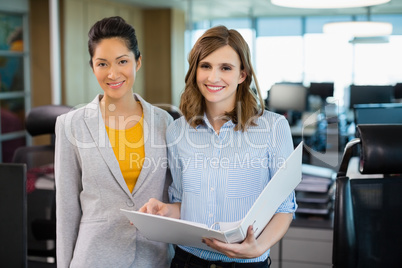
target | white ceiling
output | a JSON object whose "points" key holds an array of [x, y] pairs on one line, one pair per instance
{"points": [[210, 9]]}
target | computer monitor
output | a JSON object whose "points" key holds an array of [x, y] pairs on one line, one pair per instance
{"points": [[398, 91], [287, 97], [385, 113], [323, 90], [370, 94]]}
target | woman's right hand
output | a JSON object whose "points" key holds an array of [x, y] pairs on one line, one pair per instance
{"points": [[154, 206]]}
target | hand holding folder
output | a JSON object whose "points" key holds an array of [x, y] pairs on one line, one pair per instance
{"points": [[175, 231]]}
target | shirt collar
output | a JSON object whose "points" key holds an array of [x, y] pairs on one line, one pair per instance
{"points": [[207, 124]]}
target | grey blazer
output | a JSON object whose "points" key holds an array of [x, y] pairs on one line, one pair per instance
{"points": [[90, 190]]}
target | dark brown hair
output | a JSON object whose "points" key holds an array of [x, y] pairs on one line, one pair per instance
{"points": [[192, 103], [112, 27]]}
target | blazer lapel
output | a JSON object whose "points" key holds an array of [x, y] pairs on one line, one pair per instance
{"points": [[149, 156], [94, 121]]}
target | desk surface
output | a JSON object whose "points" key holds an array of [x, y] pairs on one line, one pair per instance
{"points": [[299, 130], [313, 222]]}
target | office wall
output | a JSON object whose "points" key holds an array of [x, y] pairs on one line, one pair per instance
{"points": [[40, 56], [157, 57], [179, 56], [163, 55], [80, 85]]}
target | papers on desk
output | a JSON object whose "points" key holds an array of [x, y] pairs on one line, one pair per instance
{"points": [[318, 209], [312, 198], [314, 184], [45, 183], [174, 231], [315, 192], [316, 179]]}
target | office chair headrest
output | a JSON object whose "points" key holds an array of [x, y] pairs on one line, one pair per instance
{"points": [[381, 149], [42, 119]]}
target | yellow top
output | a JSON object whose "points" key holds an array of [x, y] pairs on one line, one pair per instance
{"points": [[128, 147]]}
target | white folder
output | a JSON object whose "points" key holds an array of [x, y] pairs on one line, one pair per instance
{"points": [[181, 232]]}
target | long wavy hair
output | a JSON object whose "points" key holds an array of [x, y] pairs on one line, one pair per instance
{"points": [[248, 105]]}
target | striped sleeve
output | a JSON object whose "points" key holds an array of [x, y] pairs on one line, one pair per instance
{"points": [[175, 189]]}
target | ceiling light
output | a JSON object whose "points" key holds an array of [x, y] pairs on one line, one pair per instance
{"points": [[359, 28], [370, 40], [327, 3]]}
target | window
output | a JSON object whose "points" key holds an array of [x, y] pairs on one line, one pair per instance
{"points": [[14, 87], [279, 59], [379, 64], [329, 59], [294, 49]]}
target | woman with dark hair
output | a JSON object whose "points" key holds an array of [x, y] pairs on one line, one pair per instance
{"points": [[223, 152], [110, 154]]}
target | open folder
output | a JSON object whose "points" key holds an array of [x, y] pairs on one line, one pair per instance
{"points": [[181, 232]]}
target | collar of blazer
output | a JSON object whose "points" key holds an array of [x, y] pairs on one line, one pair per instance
{"points": [[96, 126]]}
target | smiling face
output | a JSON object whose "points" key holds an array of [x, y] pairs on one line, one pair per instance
{"points": [[115, 68], [218, 75]]}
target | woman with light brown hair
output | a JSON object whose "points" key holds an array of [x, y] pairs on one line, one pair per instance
{"points": [[192, 96], [223, 152]]}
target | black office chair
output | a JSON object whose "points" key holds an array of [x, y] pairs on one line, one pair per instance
{"points": [[39, 160], [40, 120], [368, 210], [171, 109]]}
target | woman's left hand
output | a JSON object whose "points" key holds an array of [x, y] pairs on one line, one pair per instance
{"points": [[248, 249]]}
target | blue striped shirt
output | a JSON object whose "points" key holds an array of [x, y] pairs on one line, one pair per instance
{"points": [[217, 178]]}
